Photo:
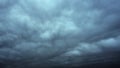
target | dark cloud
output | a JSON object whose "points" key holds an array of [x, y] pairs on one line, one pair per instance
{"points": [[34, 32]]}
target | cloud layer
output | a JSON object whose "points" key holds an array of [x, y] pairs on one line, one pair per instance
{"points": [[32, 30]]}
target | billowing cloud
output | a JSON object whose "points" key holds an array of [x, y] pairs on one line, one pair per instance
{"points": [[38, 31]]}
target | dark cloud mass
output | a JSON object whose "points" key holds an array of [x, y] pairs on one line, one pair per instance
{"points": [[37, 32]]}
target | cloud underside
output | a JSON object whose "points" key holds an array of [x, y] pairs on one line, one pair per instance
{"points": [[32, 30]]}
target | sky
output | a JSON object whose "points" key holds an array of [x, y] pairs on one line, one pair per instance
{"points": [[37, 31]]}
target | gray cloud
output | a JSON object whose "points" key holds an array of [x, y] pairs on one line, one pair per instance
{"points": [[32, 30]]}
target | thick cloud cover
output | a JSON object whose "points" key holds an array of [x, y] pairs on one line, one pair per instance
{"points": [[42, 31]]}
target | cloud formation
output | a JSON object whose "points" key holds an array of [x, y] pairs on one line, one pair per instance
{"points": [[32, 30]]}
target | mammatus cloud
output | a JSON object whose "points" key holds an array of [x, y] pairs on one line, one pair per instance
{"points": [[42, 31]]}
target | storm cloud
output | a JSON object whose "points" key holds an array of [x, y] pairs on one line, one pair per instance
{"points": [[47, 31]]}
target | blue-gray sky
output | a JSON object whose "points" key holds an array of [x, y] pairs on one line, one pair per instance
{"points": [[32, 30]]}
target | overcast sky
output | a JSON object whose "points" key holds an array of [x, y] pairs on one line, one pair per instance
{"points": [[32, 30]]}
